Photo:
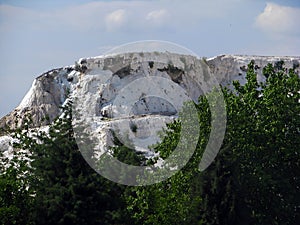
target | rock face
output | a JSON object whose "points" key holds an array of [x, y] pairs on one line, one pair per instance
{"points": [[227, 68], [138, 91], [43, 100]]}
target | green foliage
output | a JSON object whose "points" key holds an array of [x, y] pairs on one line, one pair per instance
{"points": [[66, 189], [16, 196], [133, 127], [126, 154], [255, 177]]}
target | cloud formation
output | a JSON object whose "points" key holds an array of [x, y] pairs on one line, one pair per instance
{"points": [[277, 19], [158, 16], [115, 19]]}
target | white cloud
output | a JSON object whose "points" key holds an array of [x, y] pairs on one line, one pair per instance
{"points": [[116, 19], [12, 17], [114, 15], [280, 20], [158, 16]]}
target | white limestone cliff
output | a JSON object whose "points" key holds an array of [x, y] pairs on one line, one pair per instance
{"points": [[97, 83]]}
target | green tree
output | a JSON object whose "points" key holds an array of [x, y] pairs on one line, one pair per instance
{"points": [[67, 189], [255, 177], [173, 201], [16, 196]]}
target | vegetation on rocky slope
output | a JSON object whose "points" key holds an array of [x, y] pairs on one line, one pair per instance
{"points": [[253, 180]]}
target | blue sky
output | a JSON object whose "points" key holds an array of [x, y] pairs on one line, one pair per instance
{"points": [[40, 35]]}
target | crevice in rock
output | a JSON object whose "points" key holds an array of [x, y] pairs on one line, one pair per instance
{"points": [[123, 72], [174, 72]]}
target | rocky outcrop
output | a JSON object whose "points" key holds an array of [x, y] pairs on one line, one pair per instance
{"points": [[227, 68], [140, 91], [43, 100]]}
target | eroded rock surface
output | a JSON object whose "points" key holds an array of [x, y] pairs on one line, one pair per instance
{"points": [[118, 91]]}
